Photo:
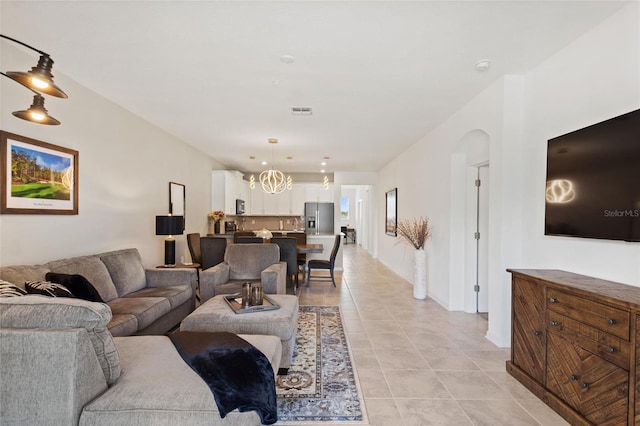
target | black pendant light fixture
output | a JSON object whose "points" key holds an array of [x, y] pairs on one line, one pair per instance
{"points": [[40, 81], [37, 113]]}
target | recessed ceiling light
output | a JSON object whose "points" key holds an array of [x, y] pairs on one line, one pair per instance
{"points": [[325, 158], [253, 157], [322, 171], [264, 163], [483, 65], [324, 163], [287, 59], [301, 111], [289, 158]]}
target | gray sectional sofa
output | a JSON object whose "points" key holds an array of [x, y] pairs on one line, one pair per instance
{"points": [[61, 366], [142, 301]]}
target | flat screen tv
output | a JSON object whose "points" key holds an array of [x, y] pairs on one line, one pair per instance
{"points": [[593, 181]]}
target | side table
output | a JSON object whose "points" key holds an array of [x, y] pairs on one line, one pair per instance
{"points": [[195, 266]]}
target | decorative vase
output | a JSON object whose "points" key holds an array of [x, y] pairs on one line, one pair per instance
{"points": [[216, 227], [420, 275], [210, 227]]}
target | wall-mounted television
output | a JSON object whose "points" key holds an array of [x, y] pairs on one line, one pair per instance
{"points": [[593, 181]]}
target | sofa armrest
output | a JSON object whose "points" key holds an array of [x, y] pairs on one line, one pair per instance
{"points": [[166, 277], [274, 278], [54, 391], [211, 278]]}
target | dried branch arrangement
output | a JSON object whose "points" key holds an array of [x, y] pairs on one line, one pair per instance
{"points": [[414, 231]]}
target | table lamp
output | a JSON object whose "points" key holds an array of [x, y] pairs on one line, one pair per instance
{"points": [[169, 225]]}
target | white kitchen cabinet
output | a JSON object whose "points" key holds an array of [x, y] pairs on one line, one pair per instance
{"points": [[298, 199], [226, 187], [316, 192]]}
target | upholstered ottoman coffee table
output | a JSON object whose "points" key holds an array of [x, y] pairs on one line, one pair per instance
{"points": [[216, 315]]}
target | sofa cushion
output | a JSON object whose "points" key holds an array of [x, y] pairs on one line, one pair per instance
{"points": [[33, 311], [126, 270], [19, 274], [123, 325], [158, 387], [90, 267], [46, 288], [8, 289], [146, 309], [176, 294], [77, 284]]}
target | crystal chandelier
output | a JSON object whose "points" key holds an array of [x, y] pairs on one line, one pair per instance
{"points": [[273, 181]]}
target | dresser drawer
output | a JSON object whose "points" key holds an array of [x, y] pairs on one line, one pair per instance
{"points": [[601, 343], [603, 317]]}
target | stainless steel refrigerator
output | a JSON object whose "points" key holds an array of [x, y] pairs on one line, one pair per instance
{"points": [[318, 218]]}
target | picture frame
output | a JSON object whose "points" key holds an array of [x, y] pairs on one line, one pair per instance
{"points": [[37, 177], [177, 201], [391, 212]]}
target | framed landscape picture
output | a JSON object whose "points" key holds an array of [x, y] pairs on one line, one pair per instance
{"points": [[391, 213], [37, 177]]}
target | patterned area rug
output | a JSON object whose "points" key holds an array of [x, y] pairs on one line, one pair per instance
{"points": [[321, 385]]}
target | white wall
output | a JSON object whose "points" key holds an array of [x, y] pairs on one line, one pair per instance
{"points": [[125, 166], [592, 79]]}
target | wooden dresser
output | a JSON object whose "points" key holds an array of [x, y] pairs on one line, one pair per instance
{"points": [[575, 343]]}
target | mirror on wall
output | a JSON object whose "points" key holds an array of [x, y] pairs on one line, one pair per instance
{"points": [[177, 201]]}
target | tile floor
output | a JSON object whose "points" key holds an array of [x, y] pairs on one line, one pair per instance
{"points": [[419, 364]]}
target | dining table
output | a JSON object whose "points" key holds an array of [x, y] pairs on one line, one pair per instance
{"points": [[310, 248]]}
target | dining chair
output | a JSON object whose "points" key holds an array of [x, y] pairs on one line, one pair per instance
{"points": [[213, 249], [249, 240], [193, 241], [289, 254], [325, 264], [301, 238], [239, 234]]}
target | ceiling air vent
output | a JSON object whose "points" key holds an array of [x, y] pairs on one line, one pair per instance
{"points": [[301, 111]]}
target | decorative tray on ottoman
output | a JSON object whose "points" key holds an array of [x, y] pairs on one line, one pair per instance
{"points": [[235, 302]]}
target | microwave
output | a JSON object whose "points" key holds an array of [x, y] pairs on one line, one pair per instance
{"points": [[239, 206]]}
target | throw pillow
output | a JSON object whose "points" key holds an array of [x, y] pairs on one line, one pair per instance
{"points": [[46, 288], [77, 284], [10, 290]]}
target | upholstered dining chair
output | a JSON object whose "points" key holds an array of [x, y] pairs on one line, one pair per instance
{"points": [[249, 240], [193, 241], [212, 249], [325, 264], [239, 234], [301, 238], [289, 254]]}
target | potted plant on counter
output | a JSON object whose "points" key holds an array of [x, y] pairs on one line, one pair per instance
{"points": [[215, 217], [416, 232]]}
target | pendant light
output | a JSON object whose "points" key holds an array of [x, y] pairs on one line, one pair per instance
{"points": [[272, 181], [40, 81]]}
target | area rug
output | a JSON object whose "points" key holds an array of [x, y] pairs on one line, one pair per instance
{"points": [[322, 385]]}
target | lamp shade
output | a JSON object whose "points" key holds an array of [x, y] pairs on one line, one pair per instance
{"points": [[169, 225]]}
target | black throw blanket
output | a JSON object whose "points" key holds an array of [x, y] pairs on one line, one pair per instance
{"points": [[238, 374]]}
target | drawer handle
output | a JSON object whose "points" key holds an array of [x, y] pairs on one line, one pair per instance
{"points": [[553, 300], [584, 385], [554, 323], [611, 350], [611, 321], [537, 333], [573, 377]]}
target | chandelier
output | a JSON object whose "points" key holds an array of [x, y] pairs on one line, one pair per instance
{"points": [[273, 181]]}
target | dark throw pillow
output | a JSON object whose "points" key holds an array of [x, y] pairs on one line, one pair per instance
{"points": [[10, 290], [77, 284], [46, 288]]}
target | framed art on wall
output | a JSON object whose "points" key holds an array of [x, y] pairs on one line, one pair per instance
{"points": [[391, 212], [37, 177]]}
